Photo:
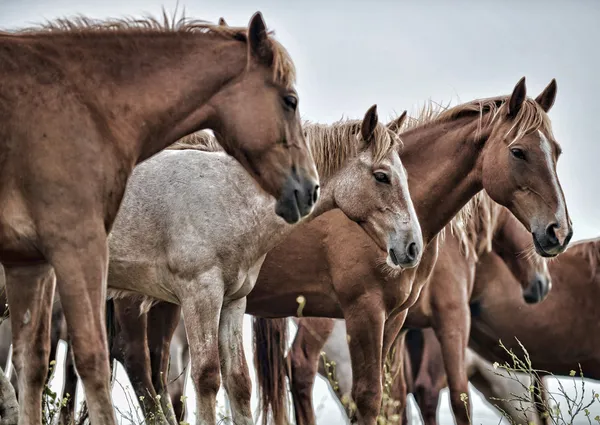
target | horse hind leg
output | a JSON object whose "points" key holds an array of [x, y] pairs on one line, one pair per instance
{"points": [[135, 356], [30, 291], [236, 378], [163, 319], [304, 364]]}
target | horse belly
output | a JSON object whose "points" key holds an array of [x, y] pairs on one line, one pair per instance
{"points": [[150, 280]]}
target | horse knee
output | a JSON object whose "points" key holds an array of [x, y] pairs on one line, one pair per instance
{"points": [[207, 378], [92, 366]]}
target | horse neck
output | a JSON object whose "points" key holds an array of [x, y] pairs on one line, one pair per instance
{"points": [[443, 163], [151, 88]]}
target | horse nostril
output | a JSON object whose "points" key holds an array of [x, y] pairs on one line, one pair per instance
{"points": [[412, 251], [551, 233], [393, 257], [315, 196]]}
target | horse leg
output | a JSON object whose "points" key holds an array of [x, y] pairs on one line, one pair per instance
{"points": [[80, 260], [364, 324], [163, 319], [178, 375], [67, 412], [396, 386], [452, 331], [234, 370], [30, 292], [136, 356], [304, 363], [201, 317]]}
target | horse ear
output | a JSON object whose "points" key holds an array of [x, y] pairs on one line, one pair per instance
{"points": [[222, 22], [396, 125], [547, 97], [369, 123], [517, 98], [258, 40]]}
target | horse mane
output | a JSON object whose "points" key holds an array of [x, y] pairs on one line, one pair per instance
{"points": [[530, 118], [333, 144], [199, 141], [589, 249], [284, 70]]}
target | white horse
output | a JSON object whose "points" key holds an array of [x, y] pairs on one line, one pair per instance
{"points": [[194, 229]]}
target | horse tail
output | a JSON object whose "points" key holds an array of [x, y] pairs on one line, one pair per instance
{"points": [[270, 340]]}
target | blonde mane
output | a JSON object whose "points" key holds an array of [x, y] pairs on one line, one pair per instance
{"points": [[284, 70], [333, 144], [589, 249], [199, 141]]}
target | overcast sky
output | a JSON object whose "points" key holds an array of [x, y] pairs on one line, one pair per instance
{"points": [[351, 54]]}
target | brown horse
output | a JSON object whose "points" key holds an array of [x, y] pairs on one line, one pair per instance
{"points": [[443, 303], [502, 313], [81, 103], [449, 159], [440, 363], [502, 144], [568, 311]]}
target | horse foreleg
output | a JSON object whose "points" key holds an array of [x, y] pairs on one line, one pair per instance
{"points": [[452, 331], [364, 324], [163, 319], [136, 356], [30, 292], [201, 317], [80, 260], [395, 384], [304, 363]]}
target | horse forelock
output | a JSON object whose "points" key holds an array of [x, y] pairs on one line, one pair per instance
{"points": [[333, 145], [284, 70]]}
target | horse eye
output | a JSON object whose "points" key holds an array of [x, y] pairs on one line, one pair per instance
{"points": [[381, 177], [518, 153], [291, 102]]}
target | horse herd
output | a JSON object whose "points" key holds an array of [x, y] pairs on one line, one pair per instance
{"points": [[436, 221]]}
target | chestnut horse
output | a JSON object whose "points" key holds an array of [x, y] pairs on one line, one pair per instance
{"points": [[569, 308], [503, 145], [501, 312], [443, 304], [81, 103]]}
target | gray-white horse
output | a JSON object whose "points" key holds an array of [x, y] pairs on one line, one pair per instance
{"points": [[194, 229]]}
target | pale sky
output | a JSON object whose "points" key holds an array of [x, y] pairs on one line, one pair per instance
{"points": [[351, 54]]}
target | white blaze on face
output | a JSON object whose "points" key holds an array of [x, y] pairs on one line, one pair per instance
{"points": [[546, 148]]}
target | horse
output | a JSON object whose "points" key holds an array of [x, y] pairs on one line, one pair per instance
{"points": [[568, 309], [502, 313], [503, 145], [443, 305], [82, 102], [183, 237]]}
